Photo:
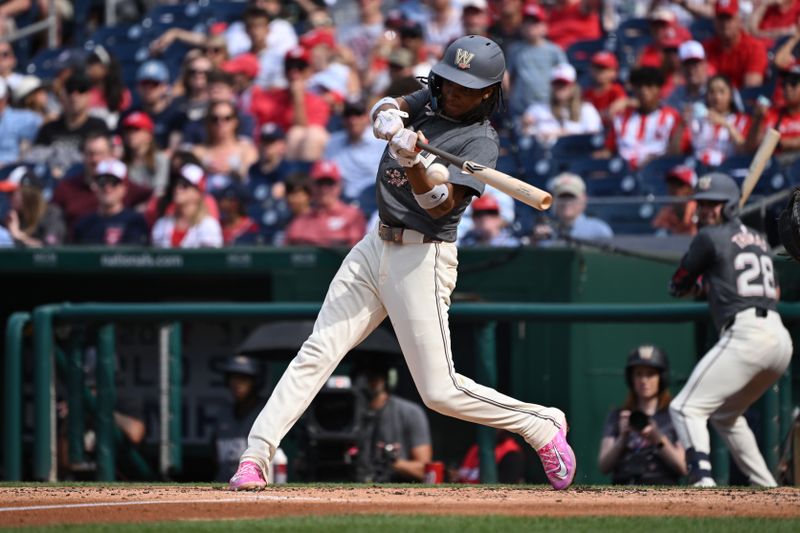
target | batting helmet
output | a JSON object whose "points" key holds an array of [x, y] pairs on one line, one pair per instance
{"points": [[240, 364], [650, 356], [719, 187], [472, 61]]}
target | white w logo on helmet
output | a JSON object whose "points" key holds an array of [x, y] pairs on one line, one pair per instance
{"points": [[463, 58]]}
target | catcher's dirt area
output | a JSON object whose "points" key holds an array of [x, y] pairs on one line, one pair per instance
{"points": [[74, 505]]}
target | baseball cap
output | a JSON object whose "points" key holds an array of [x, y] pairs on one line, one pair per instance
{"points": [[25, 87], [728, 8], [240, 364], [271, 132], [19, 177], [153, 70], [605, 59], [78, 82], [246, 64], [297, 54], [317, 37], [563, 72], [111, 167], [325, 170], [482, 5], [194, 175], [235, 191], [534, 11], [568, 183], [691, 50], [682, 173], [354, 108], [485, 204], [662, 14], [139, 121], [411, 29]]}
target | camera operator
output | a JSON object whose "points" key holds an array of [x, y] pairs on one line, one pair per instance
{"points": [[639, 445], [396, 438]]}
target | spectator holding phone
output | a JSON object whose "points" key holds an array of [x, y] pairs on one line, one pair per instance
{"points": [[639, 445]]}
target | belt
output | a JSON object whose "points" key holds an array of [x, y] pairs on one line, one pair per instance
{"points": [[403, 235], [761, 312]]}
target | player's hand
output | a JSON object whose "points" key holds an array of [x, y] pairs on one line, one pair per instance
{"points": [[624, 425], [403, 148], [387, 123]]}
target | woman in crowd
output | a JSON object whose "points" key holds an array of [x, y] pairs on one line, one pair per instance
{"points": [[226, 156], [567, 113], [147, 165], [716, 128], [108, 96], [32, 222], [190, 225], [640, 446]]}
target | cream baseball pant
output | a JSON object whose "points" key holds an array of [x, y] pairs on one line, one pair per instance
{"points": [[412, 283], [747, 359]]}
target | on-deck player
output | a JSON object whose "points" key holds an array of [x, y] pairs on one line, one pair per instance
{"points": [[406, 269], [754, 348]]}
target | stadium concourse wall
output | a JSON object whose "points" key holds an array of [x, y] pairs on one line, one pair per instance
{"points": [[576, 366]]}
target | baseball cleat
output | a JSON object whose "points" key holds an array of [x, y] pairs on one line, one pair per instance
{"points": [[249, 476], [705, 482], [558, 459]]}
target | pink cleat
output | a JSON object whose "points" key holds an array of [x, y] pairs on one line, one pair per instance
{"points": [[248, 476], [558, 460]]}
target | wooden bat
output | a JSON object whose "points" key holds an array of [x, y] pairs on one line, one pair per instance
{"points": [[758, 163], [516, 188]]}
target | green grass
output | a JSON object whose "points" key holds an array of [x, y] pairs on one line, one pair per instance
{"points": [[443, 524]]}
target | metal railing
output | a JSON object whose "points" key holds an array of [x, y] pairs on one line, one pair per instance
{"points": [[778, 404], [50, 24]]}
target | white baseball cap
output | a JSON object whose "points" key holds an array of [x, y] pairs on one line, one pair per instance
{"points": [[563, 72], [111, 167], [568, 183], [691, 50], [483, 5]]}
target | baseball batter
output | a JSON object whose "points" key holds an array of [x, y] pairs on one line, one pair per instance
{"points": [[754, 348], [406, 269]]}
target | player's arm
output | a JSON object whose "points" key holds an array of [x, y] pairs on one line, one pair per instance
{"points": [[420, 184], [684, 281]]}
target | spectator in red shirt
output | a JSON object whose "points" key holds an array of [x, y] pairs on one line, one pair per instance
{"points": [[298, 111], [606, 94], [732, 51], [666, 33], [772, 19], [330, 222], [573, 20], [785, 119]]}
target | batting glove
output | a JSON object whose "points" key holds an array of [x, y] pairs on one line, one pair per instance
{"points": [[403, 147], [387, 123]]}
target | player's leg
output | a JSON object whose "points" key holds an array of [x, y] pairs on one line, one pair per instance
{"points": [[771, 350], [416, 292], [350, 312]]}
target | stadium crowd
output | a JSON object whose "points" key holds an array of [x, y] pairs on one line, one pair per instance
{"points": [[208, 124]]}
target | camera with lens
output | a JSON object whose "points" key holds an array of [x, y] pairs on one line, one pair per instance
{"points": [[638, 420]]}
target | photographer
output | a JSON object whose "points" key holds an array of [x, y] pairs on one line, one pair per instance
{"points": [[396, 437], [639, 445]]}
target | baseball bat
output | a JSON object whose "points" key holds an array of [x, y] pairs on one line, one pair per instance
{"points": [[758, 163], [516, 188]]}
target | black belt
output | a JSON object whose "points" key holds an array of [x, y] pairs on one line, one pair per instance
{"points": [[403, 235], [761, 312]]}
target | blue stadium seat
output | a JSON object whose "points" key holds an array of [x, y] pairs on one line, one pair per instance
{"points": [[121, 33], [749, 95], [536, 167], [626, 218], [701, 28], [221, 11], [631, 36], [46, 63], [605, 177], [367, 201], [579, 55], [577, 146], [774, 178], [651, 176]]}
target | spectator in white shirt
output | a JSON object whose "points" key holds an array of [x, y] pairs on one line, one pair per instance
{"points": [[567, 113]]}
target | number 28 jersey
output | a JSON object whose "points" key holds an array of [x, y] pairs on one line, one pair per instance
{"points": [[736, 268]]}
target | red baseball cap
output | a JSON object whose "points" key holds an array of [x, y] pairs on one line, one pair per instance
{"points": [[684, 174], [320, 36], [298, 53], [325, 170], [605, 59], [534, 11], [139, 120], [485, 203], [728, 8], [246, 64]]}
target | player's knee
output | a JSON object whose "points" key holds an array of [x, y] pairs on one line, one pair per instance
{"points": [[438, 400]]}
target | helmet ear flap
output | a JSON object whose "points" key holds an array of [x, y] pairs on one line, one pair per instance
{"points": [[731, 209]]}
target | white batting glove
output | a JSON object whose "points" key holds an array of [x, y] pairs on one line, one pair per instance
{"points": [[387, 123], [403, 147]]}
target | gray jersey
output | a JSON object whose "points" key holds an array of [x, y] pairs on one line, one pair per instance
{"points": [[476, 142], [736, 266]]}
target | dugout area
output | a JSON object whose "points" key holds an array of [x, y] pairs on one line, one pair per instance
{"points": [[575, 366]]}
